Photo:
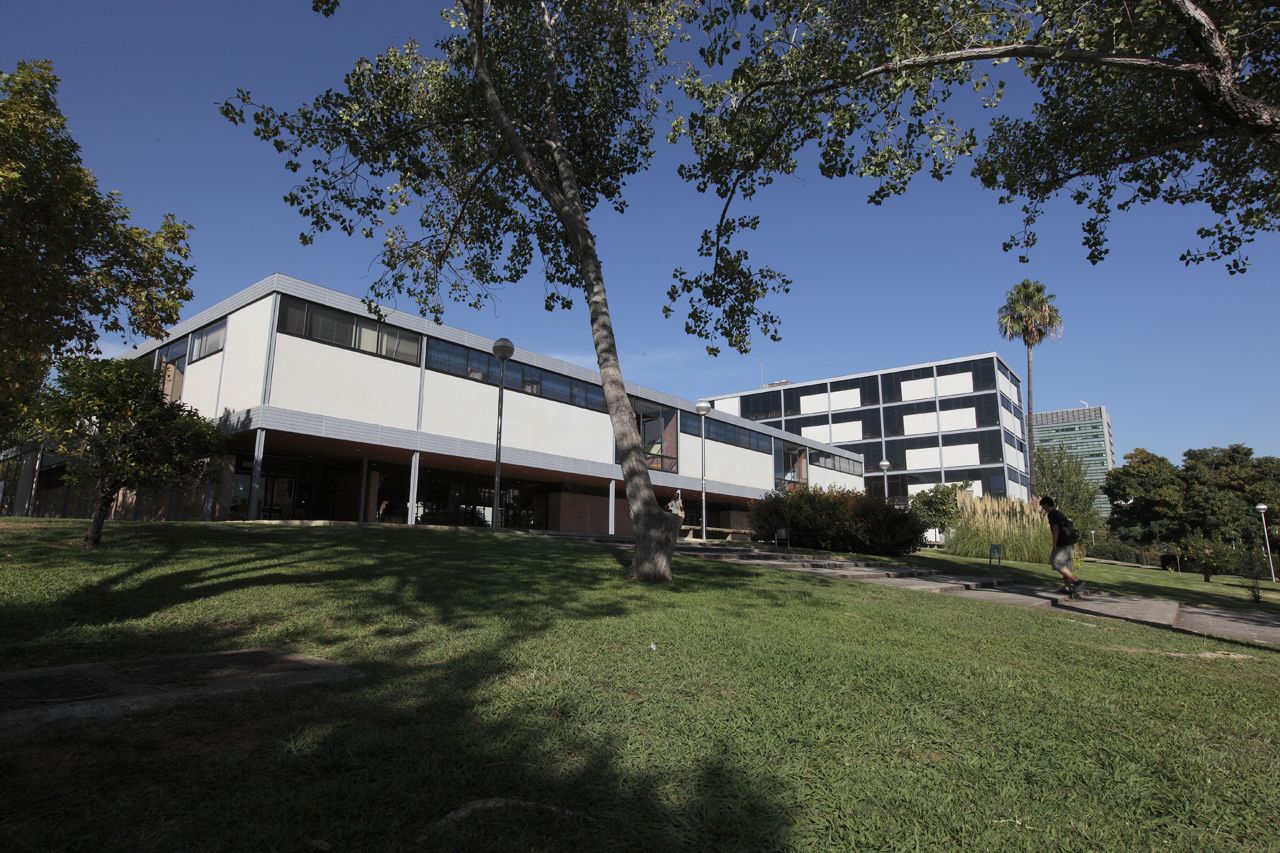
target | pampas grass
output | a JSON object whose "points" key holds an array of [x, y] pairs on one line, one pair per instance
{"points": [[984, 522]]}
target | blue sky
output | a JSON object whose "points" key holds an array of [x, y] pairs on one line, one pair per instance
{"points": [[1178, 355]]}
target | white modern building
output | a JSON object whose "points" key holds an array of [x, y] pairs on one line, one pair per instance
{"points": [[339, 416], [947, 421]]}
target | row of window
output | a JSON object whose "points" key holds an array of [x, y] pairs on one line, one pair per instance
{"points": [[825, 459], [885, 388], [331, 326]]}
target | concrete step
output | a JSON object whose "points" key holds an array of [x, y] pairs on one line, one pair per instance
{"points": [[948, 584]]}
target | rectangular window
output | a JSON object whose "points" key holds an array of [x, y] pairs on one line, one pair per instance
{"points": [[400, 345], [762, 406], [172, 360], [329, 326], [293, 316], [480, 367], [209, 340], [366, 335], [808, 400], [446, 357]]}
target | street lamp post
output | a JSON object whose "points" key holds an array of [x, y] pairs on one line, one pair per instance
{"points": [[1266, 537], [503, 349], [702, 408], [884, 470]]}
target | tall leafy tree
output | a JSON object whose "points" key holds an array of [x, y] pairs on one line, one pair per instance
{"points": [[1028, 314], [111, 420], [1161, 101], [466, 163], [1146, 497], [1063, 476], [71, 263], [1211, 496]]}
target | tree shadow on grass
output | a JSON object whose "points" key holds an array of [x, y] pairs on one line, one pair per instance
{"points": [[383, 764]]}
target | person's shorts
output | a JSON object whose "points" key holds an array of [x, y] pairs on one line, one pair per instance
{"points": [[1063, 557]]}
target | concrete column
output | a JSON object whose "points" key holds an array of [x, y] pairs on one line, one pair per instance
{"points": [[255, 486], [364, 489], [612, 507], [413, 488]]}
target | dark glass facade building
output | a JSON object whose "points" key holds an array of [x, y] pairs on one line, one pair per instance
{"points": [[947, 421]]}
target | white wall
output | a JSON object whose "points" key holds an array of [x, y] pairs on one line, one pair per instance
{"points": [[533, 423], [327, 380], [920, 424], [459, 407], [955, 383], [850, 398], [200, 385], [917, 389], [960, 456], [958, 419], [729, 405], [812, 404], [817, 432], [1006, 388], [1009, 422], [245, 353], [726, 463], [922, 458], [846, 432]]}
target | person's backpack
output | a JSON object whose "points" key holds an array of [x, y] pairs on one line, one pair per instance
{"points": [[1068, 535]]}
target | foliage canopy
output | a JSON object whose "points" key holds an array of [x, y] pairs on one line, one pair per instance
{"points": [[111, 420], [1172, 101], [71, 262]]}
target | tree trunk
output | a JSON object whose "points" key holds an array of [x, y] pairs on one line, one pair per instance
{"points": [[655, 534], [93, 536], [1026, 426]]}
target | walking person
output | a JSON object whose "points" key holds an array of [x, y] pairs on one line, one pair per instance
{"points": [[1062, 556]]}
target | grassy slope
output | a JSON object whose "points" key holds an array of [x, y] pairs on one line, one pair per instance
{"points": [[777, 711]]}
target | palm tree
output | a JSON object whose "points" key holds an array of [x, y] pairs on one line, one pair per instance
{"points": [[1028, 313]]}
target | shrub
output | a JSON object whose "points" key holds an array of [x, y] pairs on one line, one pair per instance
{"points": [[835, 519], [1114, 549], [1014, 524]]}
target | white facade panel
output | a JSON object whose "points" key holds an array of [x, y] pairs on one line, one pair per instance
{"points": [[1011, 423], [459, 407], [548, 426], [846, 432], [814, 403], [917, 488], [917, 389], [726, 464], [1006, 388], [960, 456], [848, 399], [818, 432], [729, 406], [245, 352], [920, 424], [955, 383], [958, 419], [200, 385], [920, 458], [1016, 458], [314, 377]]}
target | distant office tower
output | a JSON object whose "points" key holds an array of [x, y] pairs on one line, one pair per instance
{"points": [[1085, 434], [953, 421]]}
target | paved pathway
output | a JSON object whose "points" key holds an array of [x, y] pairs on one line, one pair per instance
{"points": [[1252, 626]]}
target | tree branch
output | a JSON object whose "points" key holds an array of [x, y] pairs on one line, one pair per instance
{"points": [[507, 129]]}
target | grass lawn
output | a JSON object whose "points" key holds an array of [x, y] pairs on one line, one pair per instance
{"points": [[778, 710]]}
